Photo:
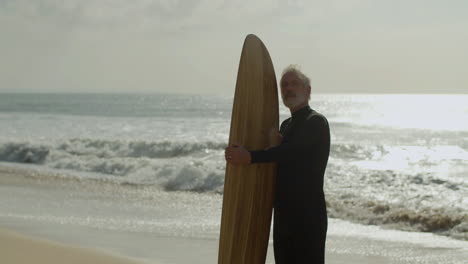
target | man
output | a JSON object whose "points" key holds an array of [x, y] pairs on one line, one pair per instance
{"points": [[301, 152]]}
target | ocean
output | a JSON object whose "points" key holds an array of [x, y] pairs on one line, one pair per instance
{"points": [[397, 162]]}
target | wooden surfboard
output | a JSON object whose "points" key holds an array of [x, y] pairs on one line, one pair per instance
{"points": [[249, 189]]}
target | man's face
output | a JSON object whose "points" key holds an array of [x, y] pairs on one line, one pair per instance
{"points": [[293, 91]]}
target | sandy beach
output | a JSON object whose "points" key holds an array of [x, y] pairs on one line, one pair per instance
{"points": [[47, 217], [19, 249]]}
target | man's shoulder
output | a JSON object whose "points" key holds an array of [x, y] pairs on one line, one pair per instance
{"points": [[285, 122], [315, 116]]}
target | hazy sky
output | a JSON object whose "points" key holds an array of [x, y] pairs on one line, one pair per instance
{"points": [[193, 46]]}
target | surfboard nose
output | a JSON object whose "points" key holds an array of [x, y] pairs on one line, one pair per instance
{"points": [[252, 37]]}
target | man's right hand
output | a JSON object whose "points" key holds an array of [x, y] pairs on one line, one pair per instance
{"points": [[237, 155]]}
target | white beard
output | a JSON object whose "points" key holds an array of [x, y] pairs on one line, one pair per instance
{"points": [[292, 102]]}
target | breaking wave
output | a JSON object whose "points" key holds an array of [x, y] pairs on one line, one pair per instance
{"points": [[33, 153], [174, 166], [443, 221], [23, 152], [136, 149]]}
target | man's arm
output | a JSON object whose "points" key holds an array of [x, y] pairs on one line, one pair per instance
{"points": [[292, 151], [238, 155]]}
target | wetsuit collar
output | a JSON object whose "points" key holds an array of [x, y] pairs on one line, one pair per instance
{"points": [[301, 112]]}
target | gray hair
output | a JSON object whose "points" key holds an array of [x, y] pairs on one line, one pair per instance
{"points": [[294, 68]]}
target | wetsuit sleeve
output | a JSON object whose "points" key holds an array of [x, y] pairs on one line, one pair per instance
{"points": [[292, 151]]}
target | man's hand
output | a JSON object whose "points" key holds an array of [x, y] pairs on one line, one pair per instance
{"points": [[274, 138], [237, 155]]}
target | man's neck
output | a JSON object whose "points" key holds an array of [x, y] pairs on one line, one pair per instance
{"points": [[294, 109]]}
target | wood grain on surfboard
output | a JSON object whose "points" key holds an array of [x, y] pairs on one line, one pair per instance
{"points": [[249, 189]]}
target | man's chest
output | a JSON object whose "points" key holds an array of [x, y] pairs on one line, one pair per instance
{"points": [[293, 131]]}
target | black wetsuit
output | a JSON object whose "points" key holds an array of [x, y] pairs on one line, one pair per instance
{"points": [[300, 215]]}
